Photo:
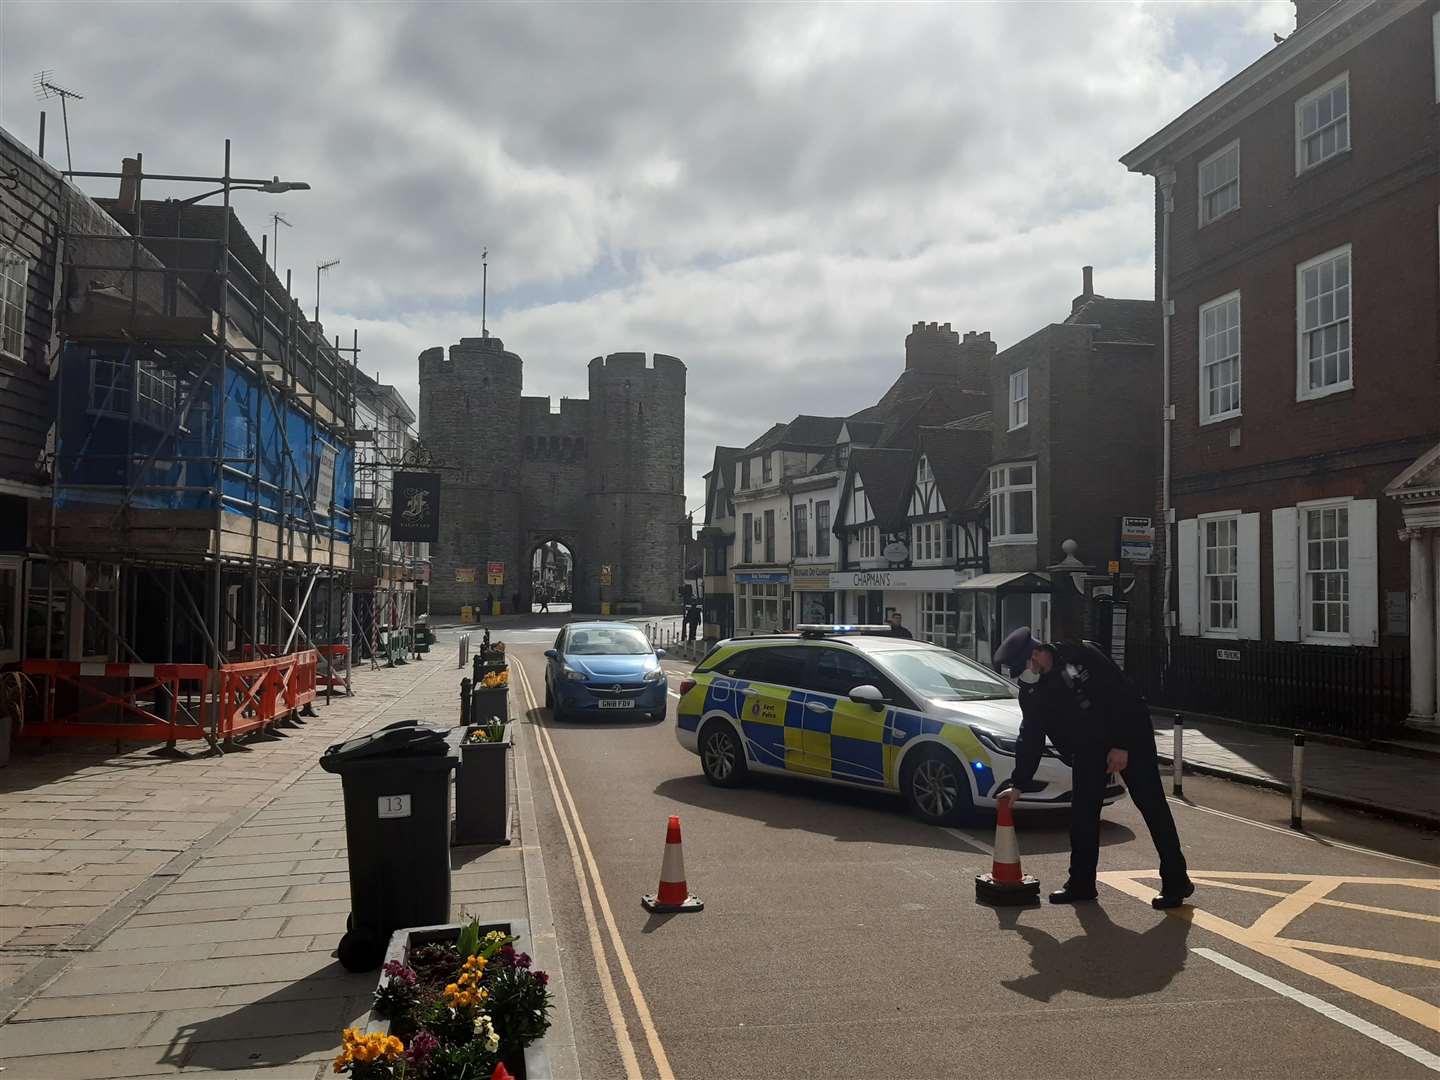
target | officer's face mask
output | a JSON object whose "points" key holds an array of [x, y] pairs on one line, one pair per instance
{"points": [[1029, 677]]}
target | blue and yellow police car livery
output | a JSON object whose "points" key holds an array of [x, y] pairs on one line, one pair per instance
{"points": [[855, 706]]}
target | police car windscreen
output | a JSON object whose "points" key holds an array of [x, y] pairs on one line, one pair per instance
{"points": [[944, 675], [621, 641]]}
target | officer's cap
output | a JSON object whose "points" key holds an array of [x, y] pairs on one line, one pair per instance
{"points": [[1014, 652]]}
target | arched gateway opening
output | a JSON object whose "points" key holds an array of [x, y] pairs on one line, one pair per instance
{"points": [[552, 577]]}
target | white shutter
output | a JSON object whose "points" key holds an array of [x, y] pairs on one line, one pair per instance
{"points": [[1248, 578], [1190, 577], [1284, 558], [1364, 577]]}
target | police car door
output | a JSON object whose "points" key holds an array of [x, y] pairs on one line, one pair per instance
{"points": [[843, 738], [771, 706]]}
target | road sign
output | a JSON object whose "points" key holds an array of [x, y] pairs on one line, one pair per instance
{"points": [[465, 575], [1137, 538], [1113, 567], [495, 573], [605, 574]]}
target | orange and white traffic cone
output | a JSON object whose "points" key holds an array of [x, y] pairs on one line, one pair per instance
{"points": [[1006, 884], [673, 894]]}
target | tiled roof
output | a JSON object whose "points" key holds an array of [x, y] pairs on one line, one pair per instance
{"points": [[1132, 322], [812, 431], [889, 477], [957, 457], [978, 422]]}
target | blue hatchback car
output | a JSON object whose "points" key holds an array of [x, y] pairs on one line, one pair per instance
{"points": [[604, 669]]}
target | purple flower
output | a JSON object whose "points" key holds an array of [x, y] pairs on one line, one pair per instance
{"points": [[507, 955], [421, 1047], [541, 977], [396, 970], [522, 960]]}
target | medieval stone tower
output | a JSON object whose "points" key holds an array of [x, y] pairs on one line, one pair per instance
{"points": [[605, 476]]}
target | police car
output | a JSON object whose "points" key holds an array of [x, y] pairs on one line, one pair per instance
{"points": [[855, 706]]}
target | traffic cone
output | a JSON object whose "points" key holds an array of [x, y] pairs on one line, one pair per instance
{"points": [[1006, 884], [673, 894]]}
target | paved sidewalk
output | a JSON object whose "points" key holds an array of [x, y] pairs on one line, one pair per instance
{"points": [[1397, 785], [187, 920]]}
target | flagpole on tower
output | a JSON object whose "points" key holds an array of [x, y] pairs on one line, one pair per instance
{"points": [[484, 288]]}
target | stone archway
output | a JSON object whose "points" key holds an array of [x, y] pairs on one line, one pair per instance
{"points": [[551, 572]]}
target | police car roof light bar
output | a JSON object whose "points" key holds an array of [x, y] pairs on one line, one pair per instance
{"points": [[837, 630]]}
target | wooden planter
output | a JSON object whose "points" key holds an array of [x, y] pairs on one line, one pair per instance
{"points": [[535, 1065], [482, 793]]}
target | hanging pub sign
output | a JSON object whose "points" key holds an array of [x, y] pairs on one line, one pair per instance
{"points": [[415, 515]]}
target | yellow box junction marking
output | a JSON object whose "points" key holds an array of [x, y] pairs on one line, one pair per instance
{"points": [[1263, 935]]}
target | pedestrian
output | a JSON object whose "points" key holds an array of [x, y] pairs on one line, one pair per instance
{"points": [[897, 626], [692, 621], [545, 601], [1098, 721], [489, 604]]}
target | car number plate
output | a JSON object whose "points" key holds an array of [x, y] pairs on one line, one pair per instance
{"points": [[617, 703]]}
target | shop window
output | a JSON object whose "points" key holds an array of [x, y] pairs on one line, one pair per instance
{"points": [[940, 619], [10, 576]]}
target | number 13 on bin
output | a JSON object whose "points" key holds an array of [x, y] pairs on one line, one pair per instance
{"points": [[394, 806]]}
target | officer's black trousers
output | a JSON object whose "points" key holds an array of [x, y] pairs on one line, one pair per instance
{"points": [[1142, 780]]}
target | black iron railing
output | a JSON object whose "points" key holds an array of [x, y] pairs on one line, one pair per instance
{"points": [[1362, 693]]}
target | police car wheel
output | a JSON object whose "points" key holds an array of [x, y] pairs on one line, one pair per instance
{"points": [[721, 755], [935, 788]]}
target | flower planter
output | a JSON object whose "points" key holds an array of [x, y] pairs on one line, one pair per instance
{"points": [[489, 703], [482, 793], [534, 1065]]}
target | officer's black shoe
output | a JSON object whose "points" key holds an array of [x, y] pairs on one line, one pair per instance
{"points": [[1173, 899], [1071, 895]]}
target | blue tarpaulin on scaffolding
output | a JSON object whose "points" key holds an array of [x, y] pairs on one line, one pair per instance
{"points": [[103, 409]]}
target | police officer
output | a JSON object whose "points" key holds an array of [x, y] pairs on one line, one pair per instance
{"points": [[1099, 723]]}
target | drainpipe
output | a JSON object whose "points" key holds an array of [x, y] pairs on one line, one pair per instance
{"points": [[1165, 179]]}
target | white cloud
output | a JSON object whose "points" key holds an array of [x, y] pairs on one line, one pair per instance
{"points": [[774, 193]]}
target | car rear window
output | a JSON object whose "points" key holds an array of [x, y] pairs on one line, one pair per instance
{"points": [[779, 665]]}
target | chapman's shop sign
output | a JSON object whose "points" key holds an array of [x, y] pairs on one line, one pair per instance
{"points": [[938, 580], [415, 515]]}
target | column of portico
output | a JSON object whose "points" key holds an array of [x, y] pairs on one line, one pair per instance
{"points": [[1424, 621]]}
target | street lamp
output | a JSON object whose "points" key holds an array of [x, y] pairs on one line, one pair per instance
{"points": [[275, 186]]}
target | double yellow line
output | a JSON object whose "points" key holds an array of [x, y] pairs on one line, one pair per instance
{"points": [[587, 873]]}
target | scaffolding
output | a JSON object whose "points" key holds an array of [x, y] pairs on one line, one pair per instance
{"points": [[197, 551], [388, 575]]}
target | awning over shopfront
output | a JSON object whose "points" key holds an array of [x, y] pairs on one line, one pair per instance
{"points": [[1021, 581]]}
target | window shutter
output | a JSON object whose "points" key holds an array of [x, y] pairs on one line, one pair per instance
{"points": [[1284, 557], [1364, 581], [1248, 579], [1190, 577]]}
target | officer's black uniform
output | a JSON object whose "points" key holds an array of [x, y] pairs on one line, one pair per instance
{"points": [[1086, 707]]}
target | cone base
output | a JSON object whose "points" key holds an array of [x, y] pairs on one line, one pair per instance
{"points": [[1007, 893], [690, 903]]}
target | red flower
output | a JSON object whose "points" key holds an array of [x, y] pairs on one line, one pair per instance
{"points": [[501, 1073]]}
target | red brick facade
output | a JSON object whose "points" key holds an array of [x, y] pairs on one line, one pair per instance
{"points": [[1381, 198]]}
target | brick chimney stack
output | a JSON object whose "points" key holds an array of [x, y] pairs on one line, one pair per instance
{"points": [[129, 185], [1087, 289]]}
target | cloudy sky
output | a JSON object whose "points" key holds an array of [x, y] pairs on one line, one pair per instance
{"points": [[772, 192]]}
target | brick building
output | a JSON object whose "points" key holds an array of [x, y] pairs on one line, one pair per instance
{"points": [[1074, 451], [1296, 223], [603, 476]]}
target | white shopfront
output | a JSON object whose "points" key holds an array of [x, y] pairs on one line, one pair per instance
{"points": [[925, 599]]}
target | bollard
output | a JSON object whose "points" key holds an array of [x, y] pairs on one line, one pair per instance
{"points": [[464, 702], [464, 648], [1178, 757], [1297, 780]]}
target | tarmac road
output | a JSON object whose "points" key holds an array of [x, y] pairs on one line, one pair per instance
{"points": [[841, 938]]}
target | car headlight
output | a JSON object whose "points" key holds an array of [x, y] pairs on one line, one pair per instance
{"points": [[658, 675], [575, 676], [1002, 743]]}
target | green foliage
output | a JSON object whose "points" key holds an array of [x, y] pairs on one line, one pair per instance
{"points": [[519, 1005]]}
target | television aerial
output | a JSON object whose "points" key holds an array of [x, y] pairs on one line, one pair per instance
{"points": [[47, 87]]}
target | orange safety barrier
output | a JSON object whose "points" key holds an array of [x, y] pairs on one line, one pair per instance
{"points": [[259, 692], [185, 684], [335, 665]]}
